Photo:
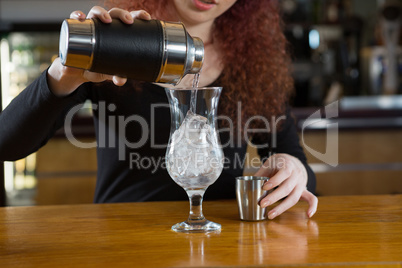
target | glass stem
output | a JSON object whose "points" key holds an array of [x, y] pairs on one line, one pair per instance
{"points": [[195, 197]]}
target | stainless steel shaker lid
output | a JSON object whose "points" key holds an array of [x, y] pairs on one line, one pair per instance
{"points": [[198, 55], [77, 41], [182, 55]]}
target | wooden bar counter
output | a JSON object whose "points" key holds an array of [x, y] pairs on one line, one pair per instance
{"points": [[347, 231]]}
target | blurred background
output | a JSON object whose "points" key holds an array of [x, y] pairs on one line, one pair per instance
{"points": [[347, 53], [344, 48]]}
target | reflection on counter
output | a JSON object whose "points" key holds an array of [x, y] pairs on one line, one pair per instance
{"points": [[275, 239]]}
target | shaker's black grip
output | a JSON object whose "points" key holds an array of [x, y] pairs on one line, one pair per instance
{"points": [[133, 51]]}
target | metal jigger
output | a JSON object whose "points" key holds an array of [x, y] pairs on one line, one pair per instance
{"points": [[249, 193]]}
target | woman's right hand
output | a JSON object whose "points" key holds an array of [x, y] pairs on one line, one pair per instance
{"points": [[64, 80]]}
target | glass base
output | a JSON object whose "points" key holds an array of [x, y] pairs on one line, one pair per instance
{"points": [[198, 227]]}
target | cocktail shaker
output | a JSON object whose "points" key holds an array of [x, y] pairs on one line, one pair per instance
{"points": [[153, 51]]}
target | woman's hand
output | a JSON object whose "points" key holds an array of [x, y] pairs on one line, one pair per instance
{"points": [[289, 175], [64, 80]]}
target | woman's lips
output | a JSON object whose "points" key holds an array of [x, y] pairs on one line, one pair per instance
{"points": [[201, 5]]}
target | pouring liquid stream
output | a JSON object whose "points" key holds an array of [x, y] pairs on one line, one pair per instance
{"points": [[193, 102]]}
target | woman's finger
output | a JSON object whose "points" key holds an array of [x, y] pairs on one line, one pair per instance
{"points": [[96, 77], [101, 13], [267, 169], [277, 179], [277, 167], [312, 201], [77, 15], [140, 14], [287, 203], [119, 81], [285, 189], [121, 14]]}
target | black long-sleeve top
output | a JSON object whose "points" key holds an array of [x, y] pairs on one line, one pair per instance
{"points": [[132, 130]]}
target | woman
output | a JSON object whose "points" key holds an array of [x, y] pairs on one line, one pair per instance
{"points": [[244, 52]]}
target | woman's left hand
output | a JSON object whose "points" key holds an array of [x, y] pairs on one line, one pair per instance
{"points": [[289, 174]]}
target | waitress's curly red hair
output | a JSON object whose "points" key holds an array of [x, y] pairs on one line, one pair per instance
{"points": [[257, 65]]}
